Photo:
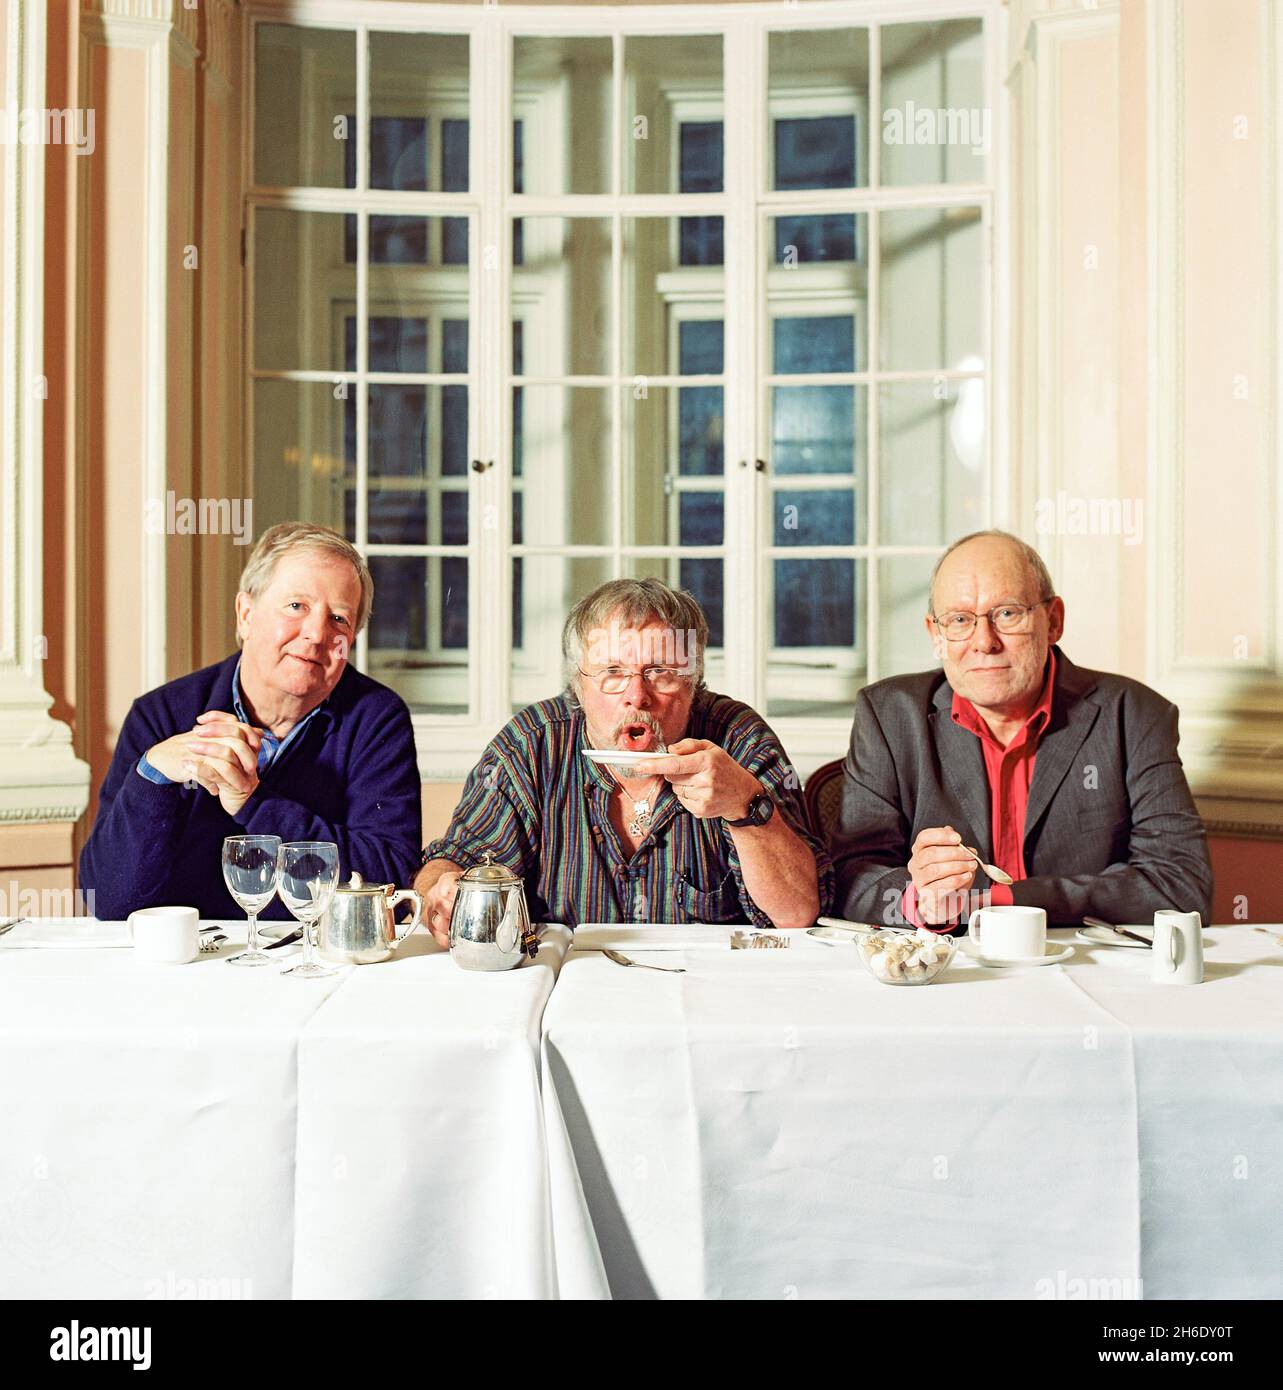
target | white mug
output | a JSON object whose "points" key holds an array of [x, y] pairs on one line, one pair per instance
{"points": [[1009, 933], [166, 935], [1178, 948]]}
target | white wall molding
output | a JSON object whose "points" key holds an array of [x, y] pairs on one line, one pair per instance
{"points": [[1231, 712], [40, 777]]}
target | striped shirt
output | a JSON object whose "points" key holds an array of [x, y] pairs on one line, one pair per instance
{"points": [[542, 810]]}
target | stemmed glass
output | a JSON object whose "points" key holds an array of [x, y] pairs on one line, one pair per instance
{"points": [[309, 874], [249, 870]]}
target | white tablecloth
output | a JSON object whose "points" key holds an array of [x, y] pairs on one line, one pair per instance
{"points": [[197, 1129], [780, 1124]]}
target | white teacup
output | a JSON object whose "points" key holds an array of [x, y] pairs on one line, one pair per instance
{"points": [[166, 935], [1009, 933]]}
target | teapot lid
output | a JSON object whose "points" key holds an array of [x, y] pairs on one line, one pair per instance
{"points": [[488, 873], [356, 884]]}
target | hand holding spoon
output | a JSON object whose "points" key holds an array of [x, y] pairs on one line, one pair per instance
{"points": [[994, 872]]}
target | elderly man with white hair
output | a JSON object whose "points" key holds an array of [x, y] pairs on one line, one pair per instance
{"points": [[713, 833], [281, 738]]}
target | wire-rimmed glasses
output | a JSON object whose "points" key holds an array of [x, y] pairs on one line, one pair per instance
{"points": [[663, 680], [1011, 619]]}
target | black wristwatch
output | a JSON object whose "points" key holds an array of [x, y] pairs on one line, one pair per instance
{"points": [[760, 809]]}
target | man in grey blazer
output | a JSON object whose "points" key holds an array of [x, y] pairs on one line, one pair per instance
{"points": [[1065, 778]]}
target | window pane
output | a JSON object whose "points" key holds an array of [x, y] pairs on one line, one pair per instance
{"points": [[304, 90], [659, 458], [933, 287], [416, 602], [653, 292], [704, 579], [300, 453], [935, 125], [813, 429], [662, 73], [303, 290], [815, 602], [935, 457], [572, 76], [815, 517], [565, 444], [546, 588], [815, 344], [414, 80], [819, 109], [904, 582], [454, 179], [566, 300], [817, 630]]}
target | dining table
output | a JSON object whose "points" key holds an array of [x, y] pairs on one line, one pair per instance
{"points": [[781, 1124], [735, 1123], [195, 1131]]}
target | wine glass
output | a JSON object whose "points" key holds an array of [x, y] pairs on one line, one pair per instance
{"points": [[249, 870], [309, 874]]}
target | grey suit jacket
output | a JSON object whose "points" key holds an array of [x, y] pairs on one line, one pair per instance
{"points": [[1111, 827]]}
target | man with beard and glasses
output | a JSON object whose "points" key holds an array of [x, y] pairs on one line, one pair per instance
{"points": [[713, 833]]}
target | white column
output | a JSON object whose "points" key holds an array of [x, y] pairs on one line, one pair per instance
{"points": [[41, 779]]}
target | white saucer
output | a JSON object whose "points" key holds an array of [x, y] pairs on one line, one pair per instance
{"points": [[620, 757], [1054, 953], [1102, 936]]}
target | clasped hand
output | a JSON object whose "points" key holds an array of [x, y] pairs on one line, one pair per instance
{"points": [[706, 779], [220, 753]]}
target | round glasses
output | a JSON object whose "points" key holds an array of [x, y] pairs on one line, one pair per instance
{"points": [[1008, 618], [614, 680]]}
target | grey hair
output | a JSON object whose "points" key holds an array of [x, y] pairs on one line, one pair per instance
{"points": [[1039, 570], [633, 602], [276, 541]]}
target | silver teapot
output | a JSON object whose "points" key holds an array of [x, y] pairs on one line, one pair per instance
{"points": [[490, 927], [359, 927]]}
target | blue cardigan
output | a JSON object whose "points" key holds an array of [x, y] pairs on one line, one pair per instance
{"points": [[350, 776]]}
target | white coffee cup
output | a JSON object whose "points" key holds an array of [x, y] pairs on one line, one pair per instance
{"points": [[1009, 933], [166, 935], [1178, 948]]}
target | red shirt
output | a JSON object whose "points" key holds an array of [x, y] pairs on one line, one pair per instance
{"points": [[1009, 771]]}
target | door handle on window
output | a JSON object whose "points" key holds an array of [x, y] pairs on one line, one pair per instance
{"points": [[480, 465]]}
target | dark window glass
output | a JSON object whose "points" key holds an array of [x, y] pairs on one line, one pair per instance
{"points": [[454, 179], [815, 344], [815, 152], [398, 154], [454, 603], [704, 579], [701, 161], [815, 603], [815, 518], [701, 518], [518, 186], [700, 347], [400, 617], [700, 450]]}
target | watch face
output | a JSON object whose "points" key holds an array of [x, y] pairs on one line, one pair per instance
{"points": [[761, 809]]}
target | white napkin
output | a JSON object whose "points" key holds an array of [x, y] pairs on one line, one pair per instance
{"points": [[66, 933]]}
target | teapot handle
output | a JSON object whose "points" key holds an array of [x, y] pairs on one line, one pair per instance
{"points": [[400, 896]]}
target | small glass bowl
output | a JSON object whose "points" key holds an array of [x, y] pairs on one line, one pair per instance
{"points": [[893, 957]]}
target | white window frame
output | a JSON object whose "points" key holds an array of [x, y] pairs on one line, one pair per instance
{"points": [[448, 745]]}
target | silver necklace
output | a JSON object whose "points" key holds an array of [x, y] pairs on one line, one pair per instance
{"points": [[642, 813]]}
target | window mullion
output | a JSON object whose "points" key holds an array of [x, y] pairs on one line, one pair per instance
{"points": [[742, 122], [361, 538], [490, 361]]}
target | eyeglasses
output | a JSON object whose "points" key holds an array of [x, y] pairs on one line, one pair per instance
{"points": [[1007, 618], [614, 680]]}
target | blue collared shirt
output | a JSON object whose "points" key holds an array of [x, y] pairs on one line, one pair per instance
{"points": [[268, 750]]}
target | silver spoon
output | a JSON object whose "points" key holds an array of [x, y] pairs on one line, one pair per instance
{"points": [[620, 959], [998, 875]]}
